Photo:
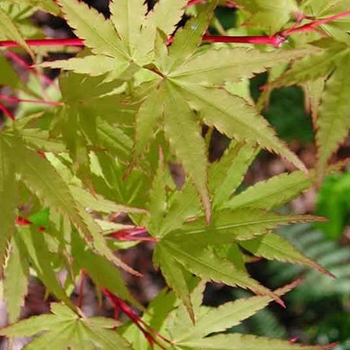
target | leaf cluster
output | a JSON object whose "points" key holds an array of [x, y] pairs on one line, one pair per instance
{"points": [[137, 98]]}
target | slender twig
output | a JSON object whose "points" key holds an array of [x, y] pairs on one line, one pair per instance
{"points": [[45, 42], [275, 40], [39, 102], [6, 111], [312, 25], [14, 57]]}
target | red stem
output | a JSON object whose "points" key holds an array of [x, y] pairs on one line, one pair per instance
{"points": [[45, 42], [15, 99], [147, 331], [6, 111], [24, 64], [311, 26], [276, 40]]}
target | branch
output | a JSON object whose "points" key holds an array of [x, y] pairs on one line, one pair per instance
{"points": [[312, 25]]}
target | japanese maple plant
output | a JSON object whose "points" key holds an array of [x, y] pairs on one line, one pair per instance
{"points": [[135, 94]]}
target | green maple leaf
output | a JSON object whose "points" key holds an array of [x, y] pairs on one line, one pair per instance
{"points": [[43, 180], [219, 319], [184, 93], [121, 44], [207, 332], [63, 329]]}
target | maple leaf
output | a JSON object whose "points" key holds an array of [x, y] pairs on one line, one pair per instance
{"points": [[64, 329]]}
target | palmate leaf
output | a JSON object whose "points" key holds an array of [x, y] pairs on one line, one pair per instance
{"points": [[213, 320], [64, 329], [41, 178], [123, 43], [333, 120]]}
